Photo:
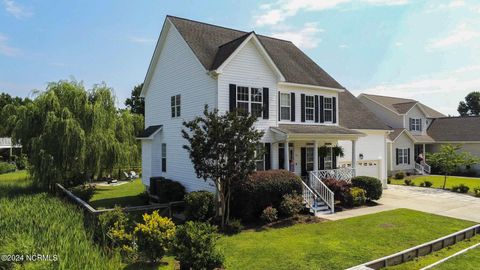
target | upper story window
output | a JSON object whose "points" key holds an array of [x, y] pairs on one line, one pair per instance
{"points": [[415, 124], [250, 100], [175, 105], [285, 104], [328, 109], [309, 108]]}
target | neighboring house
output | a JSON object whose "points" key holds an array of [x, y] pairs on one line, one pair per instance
{"points": [[299, 106], [418, 129], [7, 148]]}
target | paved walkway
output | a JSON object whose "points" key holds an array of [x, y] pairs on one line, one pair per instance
{"points": [[435, 201]]}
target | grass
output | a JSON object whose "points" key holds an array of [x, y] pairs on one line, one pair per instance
{"points": [[469, 260], [129, 194], [437, 181], [423, 261], [335, 244]]}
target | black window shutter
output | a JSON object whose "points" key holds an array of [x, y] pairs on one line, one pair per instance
{"points": [[408, 156], [321, 160], [268, 164], [316, 109], [322, 116], [397, 155], [303, 151], [334, 162], [266, 103], [233, 97], [410, 124], [302, 106], [421, 124], [334, 110], [292, 107], [281, 158], [279, 108]]}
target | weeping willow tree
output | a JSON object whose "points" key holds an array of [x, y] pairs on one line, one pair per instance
{"points": [[72, 135]]}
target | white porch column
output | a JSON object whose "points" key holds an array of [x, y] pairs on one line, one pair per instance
{"points": [[423, 151], [315, 156], [287, 158], [274, 156], [354, 157]]}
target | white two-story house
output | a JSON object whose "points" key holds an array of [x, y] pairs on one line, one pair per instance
{"points": [[300, 107]]}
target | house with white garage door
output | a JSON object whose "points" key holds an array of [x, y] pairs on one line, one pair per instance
{"points": [[306, 115]]}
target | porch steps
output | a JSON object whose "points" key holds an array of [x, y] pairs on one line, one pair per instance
{"points": [[320, 208]]}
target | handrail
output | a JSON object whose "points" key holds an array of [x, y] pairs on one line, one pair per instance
{"points": [[323, 191], [419, 167], [427, 168], [309, 196], [345, 174]]}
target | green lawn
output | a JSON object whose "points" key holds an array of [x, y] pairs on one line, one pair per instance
{"points": [[437, 181], [335, 244], [124, 195], [13, 177], [469, 260], [437, 256]]}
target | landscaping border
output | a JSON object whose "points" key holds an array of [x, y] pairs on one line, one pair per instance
{"points": [[420, 250], [450, 257]]}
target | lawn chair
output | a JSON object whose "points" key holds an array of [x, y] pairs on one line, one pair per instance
{"points": [[133, 175]]}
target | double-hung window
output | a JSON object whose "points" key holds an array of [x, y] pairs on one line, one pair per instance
{"points": [[416, 124], [260, 158], [309, 108], [309, 159], [285, 106], [328, 109], [250, 100], [403, 156], [328, 160], [175, 105], [164, 157]]}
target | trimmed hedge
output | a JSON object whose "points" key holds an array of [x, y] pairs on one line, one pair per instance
{"points": [[167, 190], [262, 189], [371, 185], [200, 206], [7, 167], [355, 197]]}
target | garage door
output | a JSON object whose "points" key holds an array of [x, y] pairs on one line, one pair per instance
{"points": [[365, 167]]}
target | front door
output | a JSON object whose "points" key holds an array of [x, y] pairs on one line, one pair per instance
{"points": [[306, 160]]}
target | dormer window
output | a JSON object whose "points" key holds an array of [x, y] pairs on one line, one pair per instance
{"points": [[415, 124], [328, 109]]}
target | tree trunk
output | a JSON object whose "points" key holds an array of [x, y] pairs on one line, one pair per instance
{"points": [[445, 181]]}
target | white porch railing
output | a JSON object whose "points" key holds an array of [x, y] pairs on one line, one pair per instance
{"points": [[6, 142], [323, 191], [423, 168], [427, 168], [309, 197], [345, 174]]}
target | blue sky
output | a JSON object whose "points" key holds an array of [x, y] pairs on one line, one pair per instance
{"points": [[427, 50]]}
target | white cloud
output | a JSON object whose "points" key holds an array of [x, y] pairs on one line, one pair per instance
{"points": [[456, 3], [142, 40], [398, 44], [6, 49], [463, 33], [343, 46], [278, 11], [17, 10], [442, 91], [304, 38]]}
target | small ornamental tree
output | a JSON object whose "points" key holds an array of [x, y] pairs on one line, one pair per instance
{"points": [[449, 158], [222, 148]]}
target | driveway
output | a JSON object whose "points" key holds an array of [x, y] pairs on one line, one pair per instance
{"points": [[430, 200]]}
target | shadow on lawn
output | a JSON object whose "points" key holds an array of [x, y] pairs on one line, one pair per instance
{"points": [[120, 201]]}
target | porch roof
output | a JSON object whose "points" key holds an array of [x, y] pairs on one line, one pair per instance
{"points": [[149, 132], [322, 131]]}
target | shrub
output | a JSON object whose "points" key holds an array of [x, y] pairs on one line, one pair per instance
{"points": [[408, 182], [389, 181], [355, 197], [399, 175], [199, 206], [339, 188], [371, 185], [477, 191], [167, 190], [262, 189], [116, 232], [154, 236], [269, 214], [195, 246], [233, 226], [7, 167], [84, 192], [426, 184], [460, 188], [291, 205]]}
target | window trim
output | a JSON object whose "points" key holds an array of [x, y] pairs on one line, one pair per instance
{"points": [[164, 157], [325, 110], [289, 106], [249, 100], [330, 161], [310, 108], [416, 124], [175, 108], [402, 156], [260, 93], [307, 149]]}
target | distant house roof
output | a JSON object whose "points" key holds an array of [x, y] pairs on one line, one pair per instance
{"points": [[455, 129], [403, 105], [395, 133], [149, 131], [213, 45], [354, 114]]}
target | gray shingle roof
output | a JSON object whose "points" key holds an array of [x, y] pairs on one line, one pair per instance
{"points": [[149, 131], [403, 105], [206, 41], [354, 114], [317, 129], [455, 129]]}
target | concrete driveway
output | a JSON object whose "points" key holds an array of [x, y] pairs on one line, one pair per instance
{"points": [[435, 201]]}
